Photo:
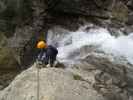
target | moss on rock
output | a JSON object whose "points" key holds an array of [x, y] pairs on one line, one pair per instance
{"points": [[7, 60], [3, 40], [120, 12]]}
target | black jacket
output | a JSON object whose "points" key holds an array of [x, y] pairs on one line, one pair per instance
{"points": [[51, 51]]}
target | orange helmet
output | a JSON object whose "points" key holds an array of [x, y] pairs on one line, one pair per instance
{"points": [[41, 45]]}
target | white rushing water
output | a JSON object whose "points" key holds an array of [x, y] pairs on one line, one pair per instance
{"points": [[69, 42]]}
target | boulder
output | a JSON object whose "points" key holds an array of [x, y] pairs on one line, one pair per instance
{"points": [[94, 77], [55, 84]]}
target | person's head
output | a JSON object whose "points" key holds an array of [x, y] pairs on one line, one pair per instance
{"points": [[41, 44]]}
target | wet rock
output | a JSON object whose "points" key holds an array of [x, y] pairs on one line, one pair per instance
{"points": [[130, 19], [130, 4], [115, 32]]}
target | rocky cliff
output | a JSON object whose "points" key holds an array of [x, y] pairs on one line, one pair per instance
{"points": [[23, 22], [33, 18], [94, 77]]}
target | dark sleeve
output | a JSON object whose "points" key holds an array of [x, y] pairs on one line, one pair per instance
{"points": [[53, 50]]}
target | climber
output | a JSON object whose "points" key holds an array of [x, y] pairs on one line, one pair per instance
{"points": [[47, 53], [41, 45]]}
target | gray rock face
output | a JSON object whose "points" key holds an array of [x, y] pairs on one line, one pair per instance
{"points": [[94, 77], [107, 9], [107, 13], [22, 43], [9, 66], [110, 76], [130, 4], [130, 19], [112, 80], [109, 80], [7, 58], [34, 12], [12, 14], [55, 84], [80, 7]]}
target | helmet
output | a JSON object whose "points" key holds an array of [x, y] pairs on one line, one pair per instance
{"points": [[41, 45]]}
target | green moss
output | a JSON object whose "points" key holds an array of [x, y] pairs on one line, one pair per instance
{"points": [[77, 77], [7, 60], [4, 55]]}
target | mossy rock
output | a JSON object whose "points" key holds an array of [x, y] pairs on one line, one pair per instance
{"points": [[3, 40], [7, 60], [120, 12], [77, 77]]}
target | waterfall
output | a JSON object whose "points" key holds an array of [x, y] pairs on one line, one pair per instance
{"points": [[70, 43]]}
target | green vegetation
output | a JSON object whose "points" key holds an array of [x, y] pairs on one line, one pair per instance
{"points": [[77, 77], [7, 60]]}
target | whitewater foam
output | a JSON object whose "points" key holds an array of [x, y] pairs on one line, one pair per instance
{"points": [[100, 37]]}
